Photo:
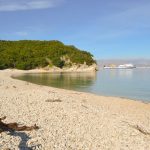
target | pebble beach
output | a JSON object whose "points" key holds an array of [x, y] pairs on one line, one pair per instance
{"points": [[70, 120]]}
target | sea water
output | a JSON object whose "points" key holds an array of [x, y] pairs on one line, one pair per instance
{"points": [[127, 83]]}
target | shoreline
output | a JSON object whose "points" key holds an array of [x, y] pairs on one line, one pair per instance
{"points": [[36, 71], [106, 96], [79, 120]]}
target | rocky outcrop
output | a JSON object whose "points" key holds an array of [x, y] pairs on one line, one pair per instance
{"points": [[73, 68]]}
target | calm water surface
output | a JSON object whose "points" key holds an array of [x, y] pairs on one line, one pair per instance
{"points": [[128, 83]]}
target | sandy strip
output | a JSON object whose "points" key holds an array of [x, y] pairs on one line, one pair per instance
{"points": [[70, 120]]}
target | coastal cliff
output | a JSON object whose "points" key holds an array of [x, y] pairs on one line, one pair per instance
{"points": [[73, 68]]}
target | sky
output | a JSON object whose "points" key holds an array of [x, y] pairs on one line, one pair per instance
{"points": [[106, 28]]}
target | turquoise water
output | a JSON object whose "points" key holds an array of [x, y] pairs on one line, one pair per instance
{"points": [[128, 83]]}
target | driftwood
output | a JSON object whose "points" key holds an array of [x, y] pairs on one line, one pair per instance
{"points": [[53, 100], [15, 127], [140, 129]]}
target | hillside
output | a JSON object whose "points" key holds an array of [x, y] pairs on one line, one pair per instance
{"points": [[29, 54]]}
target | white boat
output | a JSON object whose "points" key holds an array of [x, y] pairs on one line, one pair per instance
{"points": [[124, 66]]}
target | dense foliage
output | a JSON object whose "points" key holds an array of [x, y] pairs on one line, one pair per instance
{"points": [[33, 54]]}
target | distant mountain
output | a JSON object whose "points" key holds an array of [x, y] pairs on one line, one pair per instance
{"points": [[137, 62]]}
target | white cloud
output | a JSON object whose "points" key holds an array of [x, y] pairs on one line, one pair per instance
{"points": [[16, 5], [21, 33], [125, 22], [134, 17]]}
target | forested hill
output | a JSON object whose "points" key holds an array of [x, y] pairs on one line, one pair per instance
{"points": [[29, 54]]}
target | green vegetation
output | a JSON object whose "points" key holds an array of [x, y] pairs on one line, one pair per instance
{"points": [[28, 54]]}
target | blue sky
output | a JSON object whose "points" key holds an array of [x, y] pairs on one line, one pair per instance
{"points": [[108, 29]]}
